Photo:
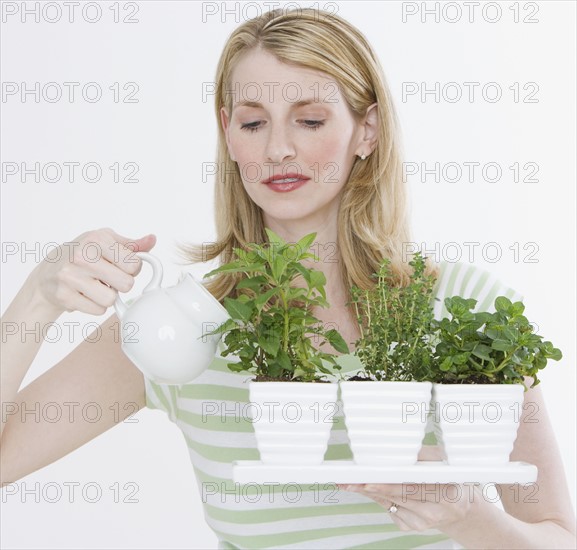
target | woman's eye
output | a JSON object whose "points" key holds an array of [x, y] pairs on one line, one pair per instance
{"points": [[313, 124], [251, 126], [307, 123]]}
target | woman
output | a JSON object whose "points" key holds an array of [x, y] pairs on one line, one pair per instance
{"points": [[308, 142]]}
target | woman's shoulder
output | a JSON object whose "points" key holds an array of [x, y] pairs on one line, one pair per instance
{"points": [[469, 281]]}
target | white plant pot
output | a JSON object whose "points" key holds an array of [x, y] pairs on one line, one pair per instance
{"points": [[292, 420], [477, 423], [385, 421]]}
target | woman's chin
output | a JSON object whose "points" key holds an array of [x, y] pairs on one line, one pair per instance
{"points": [[284, 214]]}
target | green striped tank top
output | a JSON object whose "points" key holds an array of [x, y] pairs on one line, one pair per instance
{"points": [[212, 413]]}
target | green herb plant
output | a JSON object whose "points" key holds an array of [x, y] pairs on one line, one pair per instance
{"points": [[395, 325], [488, 348], [272, 326]]}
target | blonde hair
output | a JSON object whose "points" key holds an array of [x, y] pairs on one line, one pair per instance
{"points": [[372, 219]]}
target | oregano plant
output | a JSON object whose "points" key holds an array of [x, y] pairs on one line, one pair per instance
{"points": [[272, 327], [489, 348]]}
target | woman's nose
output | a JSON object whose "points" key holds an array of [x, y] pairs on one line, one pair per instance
{"points": [[280, 146]]}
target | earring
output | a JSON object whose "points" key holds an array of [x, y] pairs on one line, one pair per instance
{"points": [[363, 157]]}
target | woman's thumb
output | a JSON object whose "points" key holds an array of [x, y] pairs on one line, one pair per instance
{"points": [[144, 244]]}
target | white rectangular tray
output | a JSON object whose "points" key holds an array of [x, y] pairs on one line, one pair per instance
{"points": [[346, 471]]}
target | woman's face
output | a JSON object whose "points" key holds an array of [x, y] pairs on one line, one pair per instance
{"points": [[293, 122]]}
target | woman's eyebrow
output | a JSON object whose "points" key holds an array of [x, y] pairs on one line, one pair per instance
{"points": [[258, 105]]}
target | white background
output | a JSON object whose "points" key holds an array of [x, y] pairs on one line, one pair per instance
{"points": [[170, 52]]}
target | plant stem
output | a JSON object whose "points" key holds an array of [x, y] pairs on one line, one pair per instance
{"points": [[505, 360], [286, 320]]}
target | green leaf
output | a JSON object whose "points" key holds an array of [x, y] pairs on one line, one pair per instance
{"points": [[274, 238], [502, 345], [284, 360], [222, 268], [446, 364], [306, 273], [278, 266], [238, 268], [540, 362], [237, 310], [262, 299], [317, 281], [337, 341], [503, 304], [305, 243], [494, 333], [299, 373], [295, 293], [247, 352], [229, 324], [253, 283], [270, 343], [510, 333], [483, 317], [518, 308], [460, 359], [482, 352], [469, 303], [320, 301]]}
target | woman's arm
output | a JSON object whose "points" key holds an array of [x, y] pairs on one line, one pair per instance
{"points": [[97, 371], [20, 342]]}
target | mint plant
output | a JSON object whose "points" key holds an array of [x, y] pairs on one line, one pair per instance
{"points": [[488, 348], [271, 325], [396, 325]]}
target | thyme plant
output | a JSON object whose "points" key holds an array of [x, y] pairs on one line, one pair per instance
{"points": [[395, 325]]}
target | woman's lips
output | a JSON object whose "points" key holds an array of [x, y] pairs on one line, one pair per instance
{"points": [[286, 182]]}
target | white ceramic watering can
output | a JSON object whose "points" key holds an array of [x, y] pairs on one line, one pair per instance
{"points": [[162, 329]]}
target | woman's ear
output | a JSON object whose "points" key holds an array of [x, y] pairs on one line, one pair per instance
{"points": [[369, 131], [225, 121]]}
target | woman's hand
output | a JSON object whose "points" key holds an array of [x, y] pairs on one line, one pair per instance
{"points": [[86, 273], [422, 506]]}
